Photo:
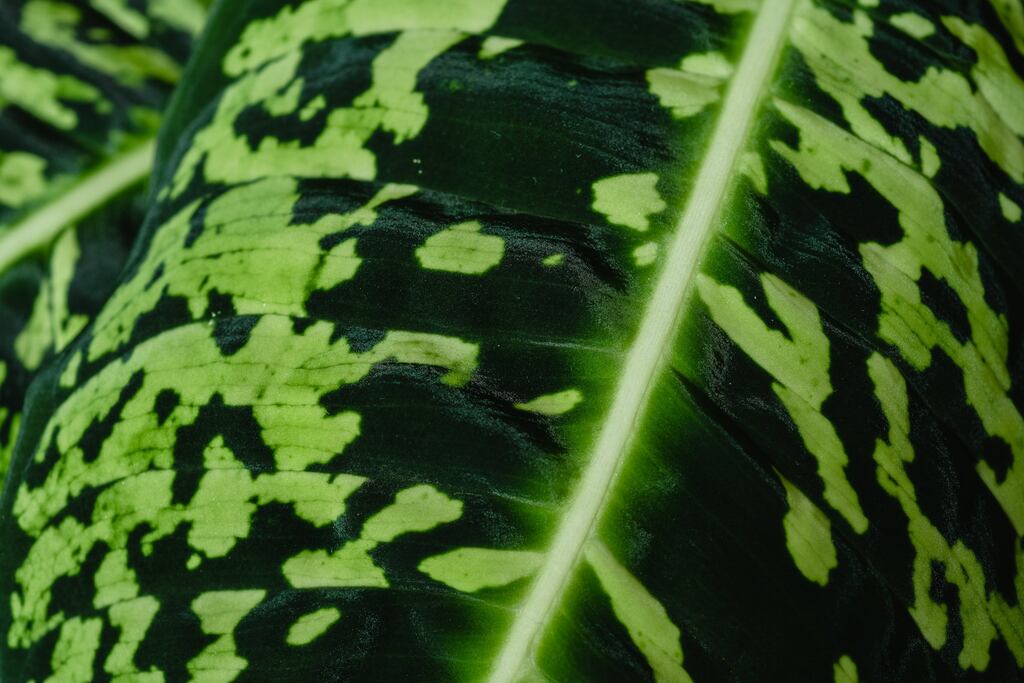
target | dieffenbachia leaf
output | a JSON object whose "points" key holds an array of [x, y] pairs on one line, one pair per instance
{"points": [[82, 86], [520, 340]]}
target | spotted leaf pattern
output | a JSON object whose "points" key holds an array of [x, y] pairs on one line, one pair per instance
{"points": [[510, 340]]}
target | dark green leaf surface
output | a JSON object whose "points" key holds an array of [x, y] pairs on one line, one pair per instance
{"points": [[550, 341]]}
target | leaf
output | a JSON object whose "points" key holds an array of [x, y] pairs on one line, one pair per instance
{"points": [[80, 96], [516, 341]]}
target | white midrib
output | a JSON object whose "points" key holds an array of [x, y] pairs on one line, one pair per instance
{"points": [[83, 197], [657, 328]]}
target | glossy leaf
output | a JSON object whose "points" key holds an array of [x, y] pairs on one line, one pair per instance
{"points": [[550, 341]]}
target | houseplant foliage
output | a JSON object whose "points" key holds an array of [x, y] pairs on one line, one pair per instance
{"points": [[549, 341], [80, 97]]}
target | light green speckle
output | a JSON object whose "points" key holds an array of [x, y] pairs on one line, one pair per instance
{"points": [[752, 166], [712, 64], [1011, 15], [185, 15], [629, 200], [646, 254], [55, 23], [495, 45], [826, 152], [219, 614], [930, 160], [557, 403], [75, 651], [69, 376], [416, 509], [808, 536], [317, 20], [314, 106], [844, 670], [462, 249], [800, 366], [731, 6], [247, 251], [473, 569], [982, 617], [39, 92], [553, 260], [390, 104], [685, 94], [913, 24], [309, 627], [999, 85], [646, 620], [133, 618], [1011, 209], [22, 175], [126, 17], [839, 55], [51, 327]]}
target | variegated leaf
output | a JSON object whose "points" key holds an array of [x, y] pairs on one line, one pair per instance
{"points": [[520, 340]]}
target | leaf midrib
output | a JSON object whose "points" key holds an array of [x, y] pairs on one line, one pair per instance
{"points": [[655, 333], [81, 198]]}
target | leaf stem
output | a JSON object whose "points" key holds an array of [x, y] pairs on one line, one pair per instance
{"points": [[44, 223]]}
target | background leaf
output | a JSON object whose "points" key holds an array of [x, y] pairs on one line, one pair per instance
{"points": [[80, 98]]}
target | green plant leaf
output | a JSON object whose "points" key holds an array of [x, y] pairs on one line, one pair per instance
{"points": [[80, 98], [509, 340]]}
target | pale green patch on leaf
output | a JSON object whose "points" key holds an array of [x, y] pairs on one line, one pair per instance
{"points": [[248, 250], [752, 166], [825, 153], [390, 104], [133, 618], [127, 18], [54, 23], [1011, 209], [808, 536], [462, 249], [309, 627], [496, 45], [629, 200], [685, 94], [416, 509], [315, 105], [711, 64], [913, 24], [317, 20], [22, 177], [646, 620], [998, 82], [219, 614], [1011, 14], [983, 617], [558, 403], [75, 651], [472, 569], [185, 15], [646, 254], [943, 97], [553, 260], [799, 364], [930, 161], [40, 92], [731, 6], [845, 670]]}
